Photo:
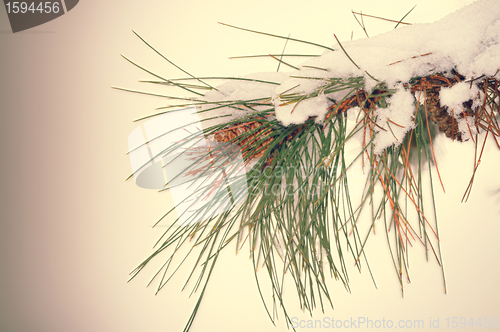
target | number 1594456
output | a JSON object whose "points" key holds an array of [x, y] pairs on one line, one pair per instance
{"points": [[26, 8]]}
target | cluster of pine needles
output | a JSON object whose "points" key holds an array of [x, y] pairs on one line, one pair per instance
{"points": [[294, 207]]}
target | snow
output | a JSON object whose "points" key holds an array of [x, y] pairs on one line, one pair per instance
{"points": [[237, 91], [394, 121], [467, 40], [454, 96], [467, 127], [296, 113]]}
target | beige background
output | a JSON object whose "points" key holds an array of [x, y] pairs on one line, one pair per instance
{"points": [[71, 228]]}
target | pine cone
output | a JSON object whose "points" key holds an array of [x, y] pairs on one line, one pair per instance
{"points": [[439, 115]]}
